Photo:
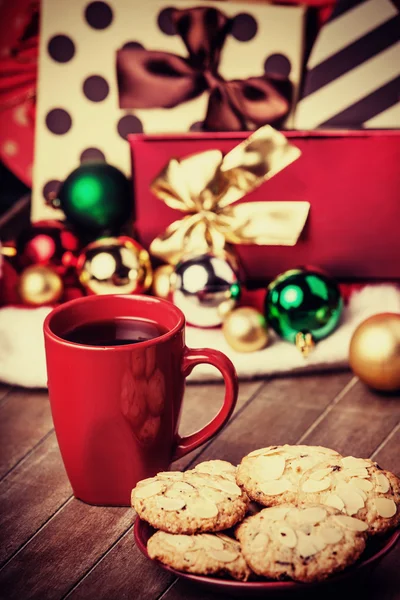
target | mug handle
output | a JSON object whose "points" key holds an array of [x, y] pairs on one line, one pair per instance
{"points": [[191, 358]]}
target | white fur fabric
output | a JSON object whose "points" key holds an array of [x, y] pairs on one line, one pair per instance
{"points": [[22, 358]]}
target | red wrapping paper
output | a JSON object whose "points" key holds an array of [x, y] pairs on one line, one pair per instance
{"points": [[18, 75], [350, 178]]}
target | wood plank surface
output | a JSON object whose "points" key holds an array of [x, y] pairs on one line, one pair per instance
{"points": [[65, 548], [231, 444], [201, 403], [358, 423], [56, 547], [25, 419], [36, 488]]}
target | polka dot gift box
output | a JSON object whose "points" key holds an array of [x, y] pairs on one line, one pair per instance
{"points": [[111, 68]]}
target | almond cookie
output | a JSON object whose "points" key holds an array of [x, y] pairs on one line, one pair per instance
{"points": [[192, 501], [305, 543], [358, 487], [203, 554], [272, 475]]}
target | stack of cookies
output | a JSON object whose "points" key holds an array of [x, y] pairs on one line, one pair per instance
{"points": [[321, 509]]}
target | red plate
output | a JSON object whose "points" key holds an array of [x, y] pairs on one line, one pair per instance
{"points": [[376, 549]]}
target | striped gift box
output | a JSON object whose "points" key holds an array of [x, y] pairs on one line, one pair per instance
{"points": [[353, 72]]}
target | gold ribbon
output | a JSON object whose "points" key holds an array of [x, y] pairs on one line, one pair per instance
{"points": [[207, 184]]}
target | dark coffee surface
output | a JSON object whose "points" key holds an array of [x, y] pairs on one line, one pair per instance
{"points": [[116, 332]]}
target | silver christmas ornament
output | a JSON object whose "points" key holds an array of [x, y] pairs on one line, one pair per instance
{"points": [[206, 288]]}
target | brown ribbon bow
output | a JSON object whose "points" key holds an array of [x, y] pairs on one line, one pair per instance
{"points": [[206, 185], [156, 79]]}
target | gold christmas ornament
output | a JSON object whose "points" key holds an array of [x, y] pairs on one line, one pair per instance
{"points": [[39, 285], [162, 281], [375, 351], [245, 330], [115, 265], [207, 186]]}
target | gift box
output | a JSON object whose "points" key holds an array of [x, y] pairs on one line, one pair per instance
{"points": [[107, 69], [18, 71], [352, 76], [350, 178]]}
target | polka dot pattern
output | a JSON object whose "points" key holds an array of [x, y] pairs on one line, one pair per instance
{"points": [[96, 88], [165, 22], [20, 117], [98, 15], [197, 126], [89, 125], [61, 48], [129, 124], [10, 148], [277, 64], [244, 27], [92, 155], [58, 121], [51, 189], [135, 45]]}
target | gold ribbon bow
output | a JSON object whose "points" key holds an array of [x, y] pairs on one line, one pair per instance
{"points": [[206, 185]]}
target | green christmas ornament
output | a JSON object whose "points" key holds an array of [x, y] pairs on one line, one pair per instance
{"points": [[303, 306], [95, 197]]}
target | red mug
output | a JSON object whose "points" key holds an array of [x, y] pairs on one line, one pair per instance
{"points": [[116, 409]]}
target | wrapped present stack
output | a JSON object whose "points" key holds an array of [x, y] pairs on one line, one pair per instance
{"points": [[261, 143]]}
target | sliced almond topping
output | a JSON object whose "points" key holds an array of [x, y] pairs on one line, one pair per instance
{"points": [[305, 545], [312, 515], [146, 481], [300, 465], [350, 523], [205, 509], [318, 541], [351, 497], [274, 488], [287, 536], [170, 503], [228, 540], [182, 486], [170, 475], [350, 462], [260, 542], [215, 496], [276, 513], [181, 489], [181, 542], [212, 541], [357, 489], [310, 485], [215, 467], [385, 507], [225, 556], [362, 472], [334, 501], [362, 484], [382, 482], [321, 473], [331, 535], [151, 489], [259, 452], [229, 487], [270, 467]]}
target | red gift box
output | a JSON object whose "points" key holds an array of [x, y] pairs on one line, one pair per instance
{"points": [[350, 178]]}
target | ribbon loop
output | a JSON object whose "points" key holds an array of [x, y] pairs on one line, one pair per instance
{"points": [[157, 79], [206, 185]]}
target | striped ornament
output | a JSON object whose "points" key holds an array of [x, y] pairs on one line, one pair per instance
{"points": [[353, 73]]}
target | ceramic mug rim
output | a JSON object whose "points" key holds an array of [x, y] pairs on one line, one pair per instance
{"points": [[135, 298]]}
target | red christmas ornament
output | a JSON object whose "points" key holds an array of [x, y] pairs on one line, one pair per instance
{"points": [[48, 243]]}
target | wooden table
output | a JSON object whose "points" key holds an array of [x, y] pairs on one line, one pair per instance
{"points": [[54, 546]]}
